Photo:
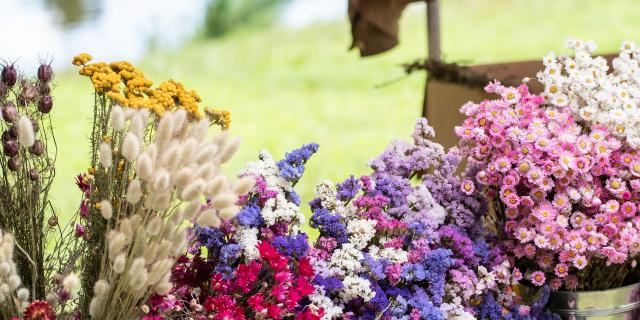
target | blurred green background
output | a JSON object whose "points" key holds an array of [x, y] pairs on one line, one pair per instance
{"points": [[287, 85]]}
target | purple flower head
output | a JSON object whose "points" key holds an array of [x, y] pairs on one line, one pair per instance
{"points": [[348, 189], [250, 215], [292, 166], [329, 225], [292, 246]]}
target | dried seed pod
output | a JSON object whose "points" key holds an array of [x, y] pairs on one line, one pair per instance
{"points": [[14, 163], [45, 72], [45, 104], [5, 136], [53, 221], [10, 148], [9, 75], [13, 132], [28, 93], [37, 148], [34, 175], [9, 112]]}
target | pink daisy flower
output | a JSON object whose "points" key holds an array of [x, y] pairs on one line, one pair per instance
{"points": [[516, 274], [537, 278], [580, 262], [512, 200], [555, 284], [545, 212], [468, 187], [628, 209], [561, 270]]}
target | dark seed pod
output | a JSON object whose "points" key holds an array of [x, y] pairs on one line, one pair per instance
{"points": [[53, 221], [45, 104], [37, 148], [45, 72], [10, 148], [6, 137], [9, 75], [13, 133], [14, 163], [9, 112], [29, 92], [34, 175]]}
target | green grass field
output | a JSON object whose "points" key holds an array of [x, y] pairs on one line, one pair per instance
{"points": [[286, 88]]}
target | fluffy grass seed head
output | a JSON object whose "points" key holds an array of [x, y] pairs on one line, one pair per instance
{"points": [[26, 136]]}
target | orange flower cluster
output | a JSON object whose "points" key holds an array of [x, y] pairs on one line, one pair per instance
{"points": [[127, 85], [219, 117]]}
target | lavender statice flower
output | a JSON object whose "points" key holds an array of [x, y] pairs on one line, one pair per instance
{"points": [[329, 225], [292, 246], [250, 215], [329, 284], [490, 309], [211, 238], [292, 166], [348, 189], [436, 264]]}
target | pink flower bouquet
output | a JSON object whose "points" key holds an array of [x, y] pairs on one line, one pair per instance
{"points": [[565, 195]]}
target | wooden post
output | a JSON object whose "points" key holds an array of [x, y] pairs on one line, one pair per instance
{"points": [[433, 43]]}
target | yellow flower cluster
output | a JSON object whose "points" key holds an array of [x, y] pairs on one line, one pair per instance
{"points": [[219, 117], [127, 85]]}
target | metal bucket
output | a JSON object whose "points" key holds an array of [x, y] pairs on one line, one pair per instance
{"points": [[614, 304]]}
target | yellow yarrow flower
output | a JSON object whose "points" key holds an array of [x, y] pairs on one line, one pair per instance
{"points": [[219, 117], [82, 59], [126, 85]]}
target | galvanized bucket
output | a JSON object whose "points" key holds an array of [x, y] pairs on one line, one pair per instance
{"points": [[614, 304]]}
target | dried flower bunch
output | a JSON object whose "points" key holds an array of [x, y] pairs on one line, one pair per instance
{"points": [[28, 169], [254, 266], [149, 173], [565, 194], [594, 92], [391, 247]]}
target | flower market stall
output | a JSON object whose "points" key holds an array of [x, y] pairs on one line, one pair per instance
{"points": [[531, 212]]}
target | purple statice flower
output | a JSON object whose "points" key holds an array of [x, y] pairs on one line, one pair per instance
{"points": [[380, 301], [293, 197], [394, 188], [292, 246], [490, 309], [424, 307], [329, 284], [436, 264], [211, 238], [348, 189], [460, 244], [329, 225], [292, 166], [376, 268], [229, 254], [250, 215]]}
